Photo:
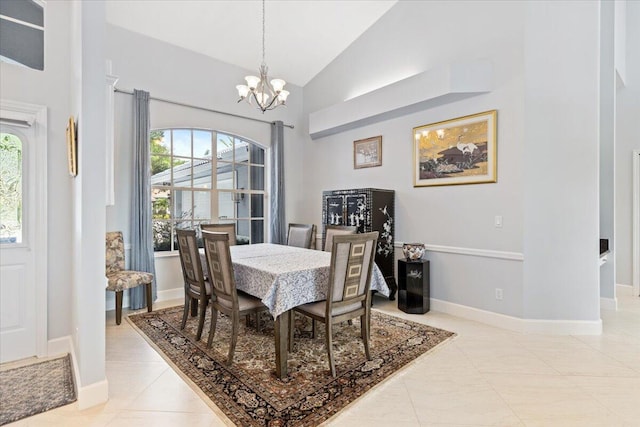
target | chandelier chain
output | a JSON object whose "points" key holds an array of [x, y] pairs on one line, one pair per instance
{"points": [[263, 27]]}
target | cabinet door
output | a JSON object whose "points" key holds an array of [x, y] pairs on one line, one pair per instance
{"points": [[356, 213], [335, 210]]}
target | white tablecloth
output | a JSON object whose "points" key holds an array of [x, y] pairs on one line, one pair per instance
{"points": [[286, 276]]}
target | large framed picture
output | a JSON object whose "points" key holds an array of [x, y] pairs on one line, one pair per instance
{"points": [[367, 152], [72, 155], [456, 151]]}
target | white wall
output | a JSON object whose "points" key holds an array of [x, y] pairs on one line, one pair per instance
{"points": [[174, 73], [545, 59], [51, 88], [627, 139]]}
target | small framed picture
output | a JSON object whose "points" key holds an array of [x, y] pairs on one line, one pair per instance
{"points": [[367, 153], [72, 147]]}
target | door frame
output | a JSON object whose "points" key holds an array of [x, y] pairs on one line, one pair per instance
{"points": [[34, 117], [635, 260]]}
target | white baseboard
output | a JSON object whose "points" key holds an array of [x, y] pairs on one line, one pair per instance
{"points": [[169, 294], [549, 327], [93, 394], [165, 295], [608, 303], [90, 395]]}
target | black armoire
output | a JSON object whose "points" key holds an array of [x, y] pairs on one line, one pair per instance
{"points": [[369, 209]]}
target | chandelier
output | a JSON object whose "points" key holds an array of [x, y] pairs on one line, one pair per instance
{"points": [[266, 95]]}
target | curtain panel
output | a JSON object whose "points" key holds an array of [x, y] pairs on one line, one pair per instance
{"points": [[278, 220], [141, 258]]}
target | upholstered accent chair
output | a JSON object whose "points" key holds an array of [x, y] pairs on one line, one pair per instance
{"points": [[228, 299], [119, 279], [352, 259], [302, 235], [334, 230], [197, 289], [222, 228]]}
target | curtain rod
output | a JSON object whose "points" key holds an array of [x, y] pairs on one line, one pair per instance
{"points": [[200, 108]]}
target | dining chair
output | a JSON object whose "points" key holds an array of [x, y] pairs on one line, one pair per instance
{"points": [[119, 279], [352, 258], [197, 289], [228, 299], [302, 235], [334, 230], [229, 227]]}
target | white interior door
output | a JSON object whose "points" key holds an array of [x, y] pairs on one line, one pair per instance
{"points": [[18, 326], [23, 230]]}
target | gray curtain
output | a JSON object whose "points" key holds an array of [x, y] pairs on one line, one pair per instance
{"points": [[141, 258], [278, 221]]}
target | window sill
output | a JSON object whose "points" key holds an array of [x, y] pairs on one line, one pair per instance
{"points": [[166, 254]]}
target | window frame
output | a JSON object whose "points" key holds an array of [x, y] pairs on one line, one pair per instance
{"points": [[211, 187]]}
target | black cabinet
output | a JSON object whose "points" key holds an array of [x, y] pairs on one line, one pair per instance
{"points": [[413, 286], [369, 209]]}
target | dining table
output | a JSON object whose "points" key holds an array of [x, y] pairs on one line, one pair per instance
{"points": [[284, 277]]}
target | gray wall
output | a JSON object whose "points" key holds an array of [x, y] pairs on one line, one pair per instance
{"points": [[546, 115], [627, 139]]}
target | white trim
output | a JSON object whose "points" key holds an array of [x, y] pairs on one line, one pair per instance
{"points": [[36, 116], [549, 327], [169, 294], [609, 304], [110, 144], [88, 396], [58, 346], [25, 23], [487, 253], [93, 394], [164, 295], [635, 259]]}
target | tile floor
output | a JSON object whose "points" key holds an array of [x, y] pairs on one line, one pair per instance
{"points": [[485, 377]]}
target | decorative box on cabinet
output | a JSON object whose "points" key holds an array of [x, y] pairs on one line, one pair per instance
{"points": [[413, 286], [369, 209]]}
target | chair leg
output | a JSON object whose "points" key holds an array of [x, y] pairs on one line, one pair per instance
{"points": [[203, 311], [149, 298], [364, 330], [194, 307], [212, 329], [118, 307], [329, 343], [235, 325], [314, 330], [292, 321], [185, 311]]}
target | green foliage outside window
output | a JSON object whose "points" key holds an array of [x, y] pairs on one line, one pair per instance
{"points": [[10, 186]]}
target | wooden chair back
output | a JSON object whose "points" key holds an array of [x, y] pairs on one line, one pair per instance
{"points": [[335, 230], [222, 228]]}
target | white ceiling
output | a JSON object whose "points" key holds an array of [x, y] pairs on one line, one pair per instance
{"points": [[302, 36]]}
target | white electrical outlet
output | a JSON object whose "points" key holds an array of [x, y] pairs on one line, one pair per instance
{"points": [[499, 294]]}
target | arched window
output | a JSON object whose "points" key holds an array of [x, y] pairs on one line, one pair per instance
{"points": [[190, 186]]}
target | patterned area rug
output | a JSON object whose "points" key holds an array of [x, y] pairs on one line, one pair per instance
{"points": [[35, 388], [249, 393]]}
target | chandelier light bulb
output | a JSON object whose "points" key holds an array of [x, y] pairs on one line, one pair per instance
{"points": [[243, 91], [252, 82], [282, 96], [278, 84]]}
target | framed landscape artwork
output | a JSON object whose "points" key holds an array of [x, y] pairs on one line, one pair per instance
{"points": [[367, 152], [457, 151]]}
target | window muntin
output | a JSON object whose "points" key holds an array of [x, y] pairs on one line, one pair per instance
{"points": [[11, 195], [185, 192]]}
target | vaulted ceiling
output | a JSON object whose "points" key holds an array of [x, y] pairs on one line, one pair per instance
{"points": [[302, 36]]}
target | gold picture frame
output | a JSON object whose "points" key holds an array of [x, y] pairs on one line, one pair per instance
{"points": [[367, 152], [72, 154], [456, 151]]}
